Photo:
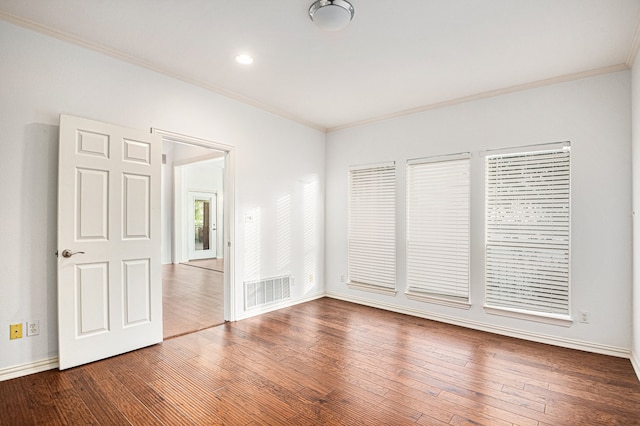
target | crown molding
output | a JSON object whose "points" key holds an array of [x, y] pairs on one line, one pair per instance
{"points": [[114, 53], [485, 95], [634, 47]]}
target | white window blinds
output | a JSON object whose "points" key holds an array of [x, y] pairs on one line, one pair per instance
{"points": [[372, 225], [527, 231], [438, 212]]}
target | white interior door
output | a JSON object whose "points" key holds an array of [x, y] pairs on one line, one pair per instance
{"points": [[203, 232], [109, 276]]}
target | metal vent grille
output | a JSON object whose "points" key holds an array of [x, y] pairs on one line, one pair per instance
{"points": [[266, 291]]}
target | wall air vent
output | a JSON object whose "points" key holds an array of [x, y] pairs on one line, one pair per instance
{"points": [[266, 291]]}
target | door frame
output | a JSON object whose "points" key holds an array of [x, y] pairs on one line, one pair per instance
{"points": [[228, 208]]}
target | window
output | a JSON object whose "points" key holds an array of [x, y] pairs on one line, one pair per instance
{"points": [[372, 228], [527, 232], [438, 213]]}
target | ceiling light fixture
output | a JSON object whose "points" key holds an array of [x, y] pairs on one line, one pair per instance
{"points": [[244, 59], [331, 15]]}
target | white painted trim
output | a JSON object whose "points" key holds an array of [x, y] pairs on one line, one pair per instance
{"points": [[229, 207], [562, 320], [527, 149], [43, 29], [276, 306], [438, 300], [354, 285], [635, 362], [439, 158], [191, 140], [197, 159], [8, 373], [229, 223], [385, 164], [52, 363], [491, 328], [634, 46], [485, 95], [179, 253]]}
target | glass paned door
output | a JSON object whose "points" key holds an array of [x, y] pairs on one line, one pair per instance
{"points": [[202, 225]]}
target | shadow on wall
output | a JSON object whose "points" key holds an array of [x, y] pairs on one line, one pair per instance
{"points": [[38, 225]]}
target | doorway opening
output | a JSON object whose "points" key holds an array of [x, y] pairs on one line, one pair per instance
{"points": [[196, 234]]}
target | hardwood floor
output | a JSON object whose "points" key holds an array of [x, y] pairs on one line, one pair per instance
{"points": [[216, 264], [332, 362], [192, 297]]}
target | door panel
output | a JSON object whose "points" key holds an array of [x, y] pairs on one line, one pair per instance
{"points": [[92, 307], [92, 196], [109, 288], [137, 217], [137, 289]]}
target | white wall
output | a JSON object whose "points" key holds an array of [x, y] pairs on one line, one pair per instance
{"points": [[635, 121], [167, 203], [594, 115], [43, 77]]}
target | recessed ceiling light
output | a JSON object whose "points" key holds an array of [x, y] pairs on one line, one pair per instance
{"points": [[244, 59]]}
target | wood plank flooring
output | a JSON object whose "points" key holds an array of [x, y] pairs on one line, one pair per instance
{"points": [[216, 264], [192, 297], [336, 363]]}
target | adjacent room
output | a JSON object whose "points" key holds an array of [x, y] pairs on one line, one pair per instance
{"points": [[192, 238], [320, 212]]}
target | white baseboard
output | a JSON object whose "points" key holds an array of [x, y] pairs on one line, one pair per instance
{"points": [[29, 368], [275, 306], [491, 328], [635, 362], [52, 363]]}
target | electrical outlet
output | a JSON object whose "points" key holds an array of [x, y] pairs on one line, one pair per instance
{"points": [[342, 278], [15, 331], [33, 328], [311, 278], [584, 317]]}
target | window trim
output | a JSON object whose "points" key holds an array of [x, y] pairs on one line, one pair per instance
{"points": [[415, 292], [356, 284], [538, 316]]}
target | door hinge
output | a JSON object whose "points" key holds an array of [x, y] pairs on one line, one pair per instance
{"points": [[56, 253]]}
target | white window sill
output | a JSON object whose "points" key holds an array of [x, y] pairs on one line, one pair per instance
{"points": [[554, 319], [372, 288], [439, 300]]}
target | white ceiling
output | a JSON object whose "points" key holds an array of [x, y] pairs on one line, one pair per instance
{"points": [[395, 56]]}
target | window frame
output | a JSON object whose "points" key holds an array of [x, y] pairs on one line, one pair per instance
{"points": [[432, 175], [556, 318], [364, 273]]}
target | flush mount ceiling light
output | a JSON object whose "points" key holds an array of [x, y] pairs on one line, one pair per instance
{"points": [[331, 15]]}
